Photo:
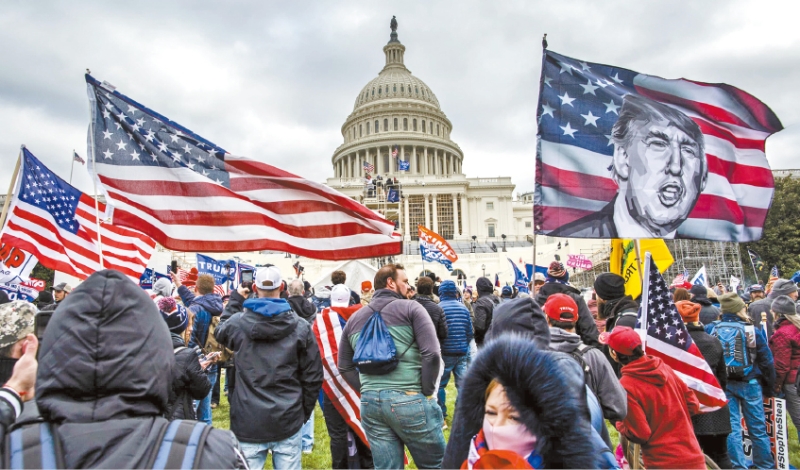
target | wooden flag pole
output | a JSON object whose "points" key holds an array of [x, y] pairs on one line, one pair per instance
{"points": [[10, 192], [638, 261]]}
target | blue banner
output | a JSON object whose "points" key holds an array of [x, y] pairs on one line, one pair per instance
{"points": [[19, 292], [520, 279], [223, 271], [393, 196], [403, 165], [149, 277], [539, 269]]}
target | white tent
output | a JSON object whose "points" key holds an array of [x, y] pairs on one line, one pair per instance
{"points": [[357, 272]]}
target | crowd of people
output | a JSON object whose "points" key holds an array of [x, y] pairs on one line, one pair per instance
{"points": [[125, 379]]}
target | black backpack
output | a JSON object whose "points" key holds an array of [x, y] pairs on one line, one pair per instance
{"points": [[33, 444], [577, 354]]}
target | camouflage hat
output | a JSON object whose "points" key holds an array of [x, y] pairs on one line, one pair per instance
{"points": [[16, 321]]}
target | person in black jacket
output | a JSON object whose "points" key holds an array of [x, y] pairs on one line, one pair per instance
{"points": [[614, 307], [483, 309], [423, 297], [300, 304], [278, 371], [557, 282], [189, 380], [104, 376], [708, 312], [711, 429]]}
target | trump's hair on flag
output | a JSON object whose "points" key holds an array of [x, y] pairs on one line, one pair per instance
{"points": [[626, 155]]}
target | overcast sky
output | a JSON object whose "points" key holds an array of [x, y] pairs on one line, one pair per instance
{"points": [[275, 80]]}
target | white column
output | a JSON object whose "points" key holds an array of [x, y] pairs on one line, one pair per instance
{"points": [[456, 231], [406, 228], [465, 215], [414, 169], [425, 161], [427, 212], [435, 216]]}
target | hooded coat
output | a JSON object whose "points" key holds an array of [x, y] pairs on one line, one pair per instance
{"points": [[278, 368], [715, 422], [436, 313], [708, 312], [660, 409], [189, 382], [483, 309], [548, 397], [785, 347], [203, 307], [104, 376], [303, 307], [585, 326]]}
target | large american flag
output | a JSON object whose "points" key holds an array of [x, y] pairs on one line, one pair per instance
{"points": [[347, 401], [58, 224], [579, 102], [192, 195], [668, 339]]}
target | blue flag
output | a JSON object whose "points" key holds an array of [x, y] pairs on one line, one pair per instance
{"points": [[149, 277], [520, 279], [530, 271], [393, 196], [223, 271], [403, 165]]}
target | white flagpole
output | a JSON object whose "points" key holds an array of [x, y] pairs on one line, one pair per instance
{"points": [[645, 306], [11, 186], [72, 167], [92, 104]]}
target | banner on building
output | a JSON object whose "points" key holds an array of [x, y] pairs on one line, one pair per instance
{"points": [[777, 431], [433, 247]]}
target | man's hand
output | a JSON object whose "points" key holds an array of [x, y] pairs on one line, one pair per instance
{"points": [[23, 379], [175, 279], [243, 291]]}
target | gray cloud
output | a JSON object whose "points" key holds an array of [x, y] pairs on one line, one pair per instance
{"points": [[276, 80]]}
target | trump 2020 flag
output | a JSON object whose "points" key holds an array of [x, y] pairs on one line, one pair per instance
{"points": [[627, 155], [668, 339], [520, 279], [434, 248], [403, 165], [222, 270], [700, 278]]}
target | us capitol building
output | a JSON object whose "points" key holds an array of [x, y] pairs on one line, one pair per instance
{"points": [[397, 110]]}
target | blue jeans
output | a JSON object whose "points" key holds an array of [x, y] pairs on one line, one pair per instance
{"points": [[457, 365], [393, 419], [203, 407], [748, 395], [308, 433], [285, 454]]}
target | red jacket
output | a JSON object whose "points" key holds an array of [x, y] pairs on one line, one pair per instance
{"points": [[660, 409], [785, 347]]}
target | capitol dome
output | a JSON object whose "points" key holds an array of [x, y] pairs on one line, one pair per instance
{"points": [[396, 118]]}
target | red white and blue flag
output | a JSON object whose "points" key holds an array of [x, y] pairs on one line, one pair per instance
{"points": [[57, 223], [579, 103], [668, 339], [347, 401], [368, 167], [190, 194]]}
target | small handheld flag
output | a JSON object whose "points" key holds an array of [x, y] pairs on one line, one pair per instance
{"points": [[433, 247]]}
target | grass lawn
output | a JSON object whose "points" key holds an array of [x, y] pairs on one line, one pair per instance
{"points": [[321, 457]]}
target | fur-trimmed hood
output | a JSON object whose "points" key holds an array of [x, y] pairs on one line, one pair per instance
{"points": [[539, 384]]}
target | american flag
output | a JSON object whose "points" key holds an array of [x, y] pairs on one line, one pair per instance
{"points": [[669, 340], [77, 158], [182, 274], [369, 167], [680, 278], [395, 151], [58, 224], [221, 289], [192, 195], [347, 401], [579, 102]]}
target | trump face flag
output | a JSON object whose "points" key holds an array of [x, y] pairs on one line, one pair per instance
{"points": [[668, 339], [627, 155], [434, 248], [192, 195]]}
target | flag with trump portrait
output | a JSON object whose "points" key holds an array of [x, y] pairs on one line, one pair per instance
{"points": [[433, 247], [627, 155]]}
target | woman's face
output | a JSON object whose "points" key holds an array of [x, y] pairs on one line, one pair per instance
{"points": [[499, 411]]}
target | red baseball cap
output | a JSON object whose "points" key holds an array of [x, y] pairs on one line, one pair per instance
{"points": [[561, 307], [624, 339]]}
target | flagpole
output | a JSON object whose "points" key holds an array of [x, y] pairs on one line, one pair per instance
{"points": [[92, 103], [642, 330], [10, 192], [638, 262], [752, 264], [72, 167]]}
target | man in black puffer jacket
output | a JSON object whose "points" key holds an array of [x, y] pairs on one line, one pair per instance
{"points": [[104, 376], [189, 380], [424, 298], [616, 308], [557, 282], [483, 309], [708, 312], [301, 305]]}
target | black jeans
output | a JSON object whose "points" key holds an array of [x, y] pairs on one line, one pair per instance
{"points": [[337, 430], [215, 389], [716, 447]]}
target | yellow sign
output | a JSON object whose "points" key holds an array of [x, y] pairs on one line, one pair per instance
{"points": [[623, 260]]}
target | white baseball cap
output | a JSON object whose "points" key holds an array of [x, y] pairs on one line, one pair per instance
{"points": [[340, 296], [268, 278]]}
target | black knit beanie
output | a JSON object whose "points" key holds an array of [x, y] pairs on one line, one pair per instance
{"points": [[609, 286]]}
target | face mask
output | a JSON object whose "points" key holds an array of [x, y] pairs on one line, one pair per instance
{"points": [[513, 437]]}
